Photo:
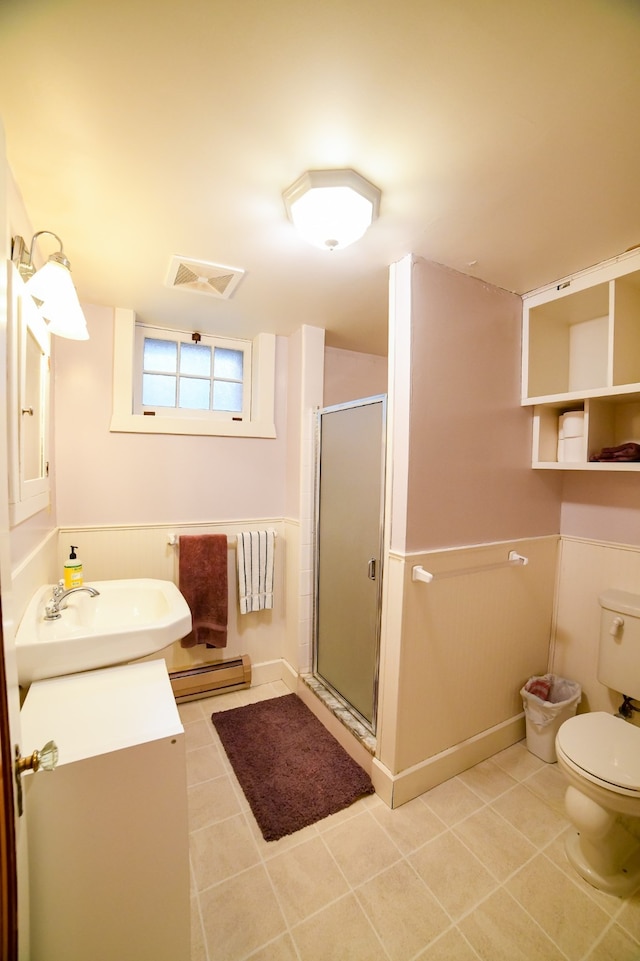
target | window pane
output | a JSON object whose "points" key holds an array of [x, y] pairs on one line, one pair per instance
{"points": [[158, 390], [195, 359], [227, 396], [194, 394], [228, 364], [160, 355]]}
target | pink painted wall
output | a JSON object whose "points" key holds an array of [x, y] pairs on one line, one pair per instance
{"points": [[602, 506], [351, 375], [110, 478], [470, 478]]}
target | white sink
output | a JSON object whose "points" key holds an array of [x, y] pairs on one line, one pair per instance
{"points": [[126, 620]]}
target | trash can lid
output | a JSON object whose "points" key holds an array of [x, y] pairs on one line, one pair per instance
{"points": [[604, 746]]}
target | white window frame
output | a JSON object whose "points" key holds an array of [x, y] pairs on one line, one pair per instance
{"points": [[180, 337], [261, 385]]}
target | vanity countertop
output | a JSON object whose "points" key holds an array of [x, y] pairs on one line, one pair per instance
{"points": [[97, 712]]}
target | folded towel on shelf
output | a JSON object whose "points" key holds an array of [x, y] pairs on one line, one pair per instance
{"points": [[203, 582], [623, 453], [255, 550]]}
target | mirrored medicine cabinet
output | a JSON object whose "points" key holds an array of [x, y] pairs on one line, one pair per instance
{"points": [[28, 373]]}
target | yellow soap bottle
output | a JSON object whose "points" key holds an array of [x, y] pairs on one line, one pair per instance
{"points": [[73, 570]]}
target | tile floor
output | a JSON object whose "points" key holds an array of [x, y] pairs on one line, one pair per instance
{"points": [[473, 869]]}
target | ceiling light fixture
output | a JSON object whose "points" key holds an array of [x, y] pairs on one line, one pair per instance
{"points": [[332, 208], [52, 288]]}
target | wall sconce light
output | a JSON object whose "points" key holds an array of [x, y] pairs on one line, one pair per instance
{"points": [[332, 208], [52, 288]]}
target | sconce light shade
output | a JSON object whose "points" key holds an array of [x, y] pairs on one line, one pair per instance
{"points": [[332, 208], [53, 288], [52, 284]]}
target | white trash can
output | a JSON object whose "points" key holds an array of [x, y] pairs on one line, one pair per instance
{"points": [[548, 701]]}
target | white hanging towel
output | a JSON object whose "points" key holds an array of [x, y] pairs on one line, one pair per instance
{"points": [[255, 570]]}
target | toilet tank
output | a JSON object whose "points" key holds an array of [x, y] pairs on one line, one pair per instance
{"points": [[619, 653]]}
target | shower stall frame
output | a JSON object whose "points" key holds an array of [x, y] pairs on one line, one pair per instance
{"points": [[378, 568]]}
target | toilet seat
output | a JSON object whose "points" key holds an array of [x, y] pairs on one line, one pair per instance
{"points": [[604, 749]]}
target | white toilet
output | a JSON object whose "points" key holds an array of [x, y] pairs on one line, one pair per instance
{"points": [[599, 755]]}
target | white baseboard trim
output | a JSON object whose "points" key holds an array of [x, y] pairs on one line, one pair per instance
{"points": [[289, 675], [397, 789], [277, 670], [267, 671]]}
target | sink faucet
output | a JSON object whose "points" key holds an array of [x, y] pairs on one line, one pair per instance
{"points": [[59, 597]]}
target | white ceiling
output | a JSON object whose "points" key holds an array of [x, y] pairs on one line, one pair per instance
{"points": [[504, 135]]}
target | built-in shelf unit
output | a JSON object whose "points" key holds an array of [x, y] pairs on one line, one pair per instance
{"points": [[581, 357]]}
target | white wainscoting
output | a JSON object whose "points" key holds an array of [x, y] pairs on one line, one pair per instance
{"points": [[587, 568], [455, 654], [130, 551], [40, 567]]}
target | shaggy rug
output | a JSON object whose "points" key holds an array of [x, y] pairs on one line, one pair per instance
{"points": [[292, 771]]}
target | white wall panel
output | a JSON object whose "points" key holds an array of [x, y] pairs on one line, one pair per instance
{"points": [[587, 568], [112, 552], [469, 643]]}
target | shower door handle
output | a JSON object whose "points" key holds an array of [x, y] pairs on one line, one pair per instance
{"points": [[372, 569]]}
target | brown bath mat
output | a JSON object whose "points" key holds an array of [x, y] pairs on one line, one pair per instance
{"points": [[292, 771]]}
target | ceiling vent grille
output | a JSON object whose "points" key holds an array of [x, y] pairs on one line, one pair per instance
{"points": [[213, 279]]}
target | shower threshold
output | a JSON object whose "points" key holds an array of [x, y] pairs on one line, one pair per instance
{"points": [[342, 713]]}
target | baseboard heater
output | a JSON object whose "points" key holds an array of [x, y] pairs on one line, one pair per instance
{"points": [[210, 679]]}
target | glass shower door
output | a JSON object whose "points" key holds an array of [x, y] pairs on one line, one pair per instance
{"points": [[349, 519]]}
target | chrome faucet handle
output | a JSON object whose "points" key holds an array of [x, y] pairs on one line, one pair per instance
{"points": [[58, 589], [51, 612]]}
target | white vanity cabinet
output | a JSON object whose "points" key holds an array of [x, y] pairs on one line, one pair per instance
{"points": [[581, 355], [107, 829]]}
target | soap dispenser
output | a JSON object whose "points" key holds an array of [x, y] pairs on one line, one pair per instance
{"points": [[73, 570]]}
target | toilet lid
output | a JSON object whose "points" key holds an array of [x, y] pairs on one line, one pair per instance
{"points": [[604, 746]]}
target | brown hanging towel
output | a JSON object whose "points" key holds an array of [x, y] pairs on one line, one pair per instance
{"points": [[203, 582]]}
